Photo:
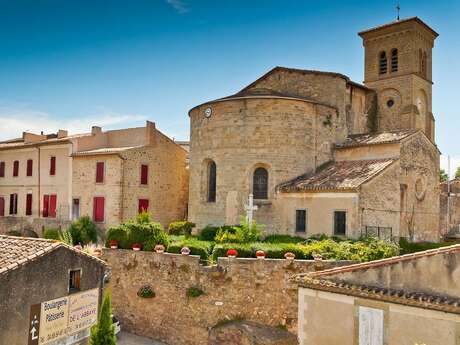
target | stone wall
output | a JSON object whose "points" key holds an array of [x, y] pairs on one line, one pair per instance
{"points": [[234, 289]]}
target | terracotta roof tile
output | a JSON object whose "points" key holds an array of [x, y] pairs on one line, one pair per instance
{"points": [[376, 138], [105, 151], [342, 175]]}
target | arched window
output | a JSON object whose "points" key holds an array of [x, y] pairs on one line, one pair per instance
{"points": [[260, 183], [212, 181], [383, 63], [394, 60]]}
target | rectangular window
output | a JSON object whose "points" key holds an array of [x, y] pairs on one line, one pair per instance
{"points": [[100, 172], [30, 163], [15, 168], [74, 280], [340, 222], [2, 206], [301, 220], [98, 209], [2, 169], [13, 204], [53, 166], [144, 174], [29, 204], [75, 209], [143, 205], [46, 206], [53, 205]]}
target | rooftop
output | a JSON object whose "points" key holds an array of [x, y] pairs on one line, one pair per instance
{"points": [[376, 138], [400, 22], [342, 175], [104, 151]]}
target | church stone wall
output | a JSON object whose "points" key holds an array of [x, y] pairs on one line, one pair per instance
{"points": [[234, 289], [287, 137]]}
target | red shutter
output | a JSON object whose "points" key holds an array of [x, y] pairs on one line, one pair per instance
{"points": [[46, 204], [144, 174], [2, 207], [53, 203], [53, 166], [143, 205], [29, 205], [2, 169], [98, 209], [15, 168], [100, 172], [30, 163]]}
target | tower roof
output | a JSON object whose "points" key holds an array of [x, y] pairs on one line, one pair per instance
{"points": [[399, 23]]}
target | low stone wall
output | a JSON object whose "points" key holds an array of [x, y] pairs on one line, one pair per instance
{"points": [[234, 289]]}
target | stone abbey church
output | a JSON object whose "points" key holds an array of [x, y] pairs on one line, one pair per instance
{"points": [[323, 154], [320, 153]]}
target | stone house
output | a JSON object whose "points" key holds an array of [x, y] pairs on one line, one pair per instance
{"points": [[384, 302], [49, 180], [43, 285], [323, 154], [449, 216]]}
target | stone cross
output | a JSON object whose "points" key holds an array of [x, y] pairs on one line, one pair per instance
{"points": [[250, 208]]}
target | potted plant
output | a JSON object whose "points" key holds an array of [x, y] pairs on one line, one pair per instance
{"points": [[113, 244], [159, 248], [260, 254], [289, 256], [185, 251], [136, 246], [317, 257], [232, 253]]}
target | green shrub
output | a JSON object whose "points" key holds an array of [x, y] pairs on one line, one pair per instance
{"points": [[197, 247], [250, 232], [194, 292], [51, 234], [103, 333], [181, 228], [208, 233], [66, 237], [83, 231], [229, 235], [407, 247], [146, 291], [244, 250], [277, 250], [278, 238], [119, 234]]}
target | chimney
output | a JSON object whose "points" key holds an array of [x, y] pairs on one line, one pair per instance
{"points": [[150, 133], [62, 133], [96, 130]]}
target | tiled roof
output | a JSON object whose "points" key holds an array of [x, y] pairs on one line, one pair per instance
{"points": [[104, 151], [18, 251], [342, 175], [19, 143], [329, 280], [376, 138]]}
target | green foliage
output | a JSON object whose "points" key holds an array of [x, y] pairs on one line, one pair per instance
{"points": [[143, 218], [220, 250], [457, 173], [83, 231], [66, 237], [229, 235], [146, 292], [413, 247], [51, 234], [14, 233], [119, 234], [197, 247], [208, 233], [103, 333], [279, 238], [181, 228], [244, 233], [194, 292], [443, 177]]}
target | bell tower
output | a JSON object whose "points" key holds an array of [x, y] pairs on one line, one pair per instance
{"points": [[398, 66]]}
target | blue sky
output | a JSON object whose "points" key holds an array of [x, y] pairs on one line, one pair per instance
{"points": [[71, 64]]}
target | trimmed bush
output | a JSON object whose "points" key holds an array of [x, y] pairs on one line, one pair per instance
{"points": [[118, 234], [51, 234], [278, 238], [244, 250], [83, 231], [181, 228], [208, 233], [412, 247], [197, 247]]}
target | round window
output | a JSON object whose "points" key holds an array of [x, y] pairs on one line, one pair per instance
{"points": [[390, 103]]}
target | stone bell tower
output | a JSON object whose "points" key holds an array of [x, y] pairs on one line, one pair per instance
{"points": [[398, 66]]}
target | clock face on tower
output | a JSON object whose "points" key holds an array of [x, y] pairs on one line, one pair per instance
{"points": [[208, 112]]}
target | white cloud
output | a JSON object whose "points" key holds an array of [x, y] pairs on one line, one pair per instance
{"points": [[178, 5], [18, 119]]}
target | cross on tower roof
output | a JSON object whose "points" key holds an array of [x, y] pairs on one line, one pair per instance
{"points": [[398, 8]]}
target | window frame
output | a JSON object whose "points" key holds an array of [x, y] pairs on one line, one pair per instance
{"points": [[383, 63], [79, 208], [2, 206], [103, 209], [29, 204], [2, 168], [103, 172], [334, 224], [146, 182], [52, 165], [30, 168], [13, 207], [71, 289], [305, 224], [16, 168], [265, 193], [211, 188], [139, 205], [394, 60]]}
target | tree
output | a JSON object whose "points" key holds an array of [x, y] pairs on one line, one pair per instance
{"points": [[443, 175], [103, 333]]}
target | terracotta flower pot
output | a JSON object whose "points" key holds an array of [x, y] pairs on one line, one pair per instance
{"points": [[185, 251], [159, 248], [136, 246], [260, 254], [317, 257], [113, 244], [232, 253], [289, 256]]}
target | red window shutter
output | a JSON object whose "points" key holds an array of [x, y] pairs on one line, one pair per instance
{"points": [[16, 169], [53, 166], [2, 169], [29, 205], [98, 209], [143, 205], [144, 174], [46, 204], [2, 207], [52, 207], [99, 172], [30, 163]]}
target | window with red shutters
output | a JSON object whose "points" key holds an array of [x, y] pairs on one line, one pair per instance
{"points": [[30, 163], [52, 207], [2, 169], [143, 205], [53, 166], [29, 204], [2, 206], [98, 209], [46, 205], [15, 168], [100, 172], [144, 174]]}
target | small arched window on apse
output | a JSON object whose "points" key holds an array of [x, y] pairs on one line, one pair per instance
{"points": [[212, 175], [394, 60], [383, 63], [260, 183]]}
